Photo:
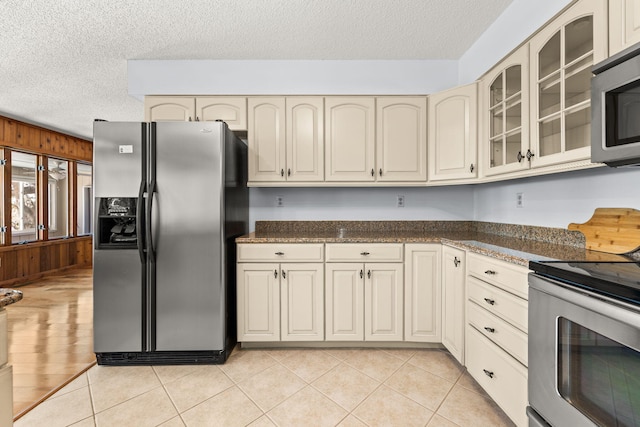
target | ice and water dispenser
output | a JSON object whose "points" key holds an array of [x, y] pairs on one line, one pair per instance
{"points": [[117, 227]]}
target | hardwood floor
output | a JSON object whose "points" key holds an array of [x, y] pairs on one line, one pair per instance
{"points": [[50, 336]]}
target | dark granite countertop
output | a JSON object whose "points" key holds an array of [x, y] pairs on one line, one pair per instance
{"points": [[9, 296], [507, 242]]}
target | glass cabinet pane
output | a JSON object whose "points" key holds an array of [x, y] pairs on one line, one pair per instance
{"points": [[495, 92], [577, 85], [496, 122], [578, 38], [549, 132], [496, 152], [513, 80], [514, 144], [549, 57], [513, 116], [58, 192], [24, 199], [578, 129], [549, 96]]}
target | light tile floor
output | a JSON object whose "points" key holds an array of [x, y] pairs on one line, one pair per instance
{"points": [[310, 387]]}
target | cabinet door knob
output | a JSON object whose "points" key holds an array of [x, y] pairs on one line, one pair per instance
{"points": [[456, 261], [488, 373], [471, 168], [289, 172], [490, 272], [488, 329], [279, 253], [380, 171], [373, 173], [275, 274], [361, 274], [190, 119], [281, 172], [490, 301], [369, 274], [519, 156], [529, 155], [284, 274]]}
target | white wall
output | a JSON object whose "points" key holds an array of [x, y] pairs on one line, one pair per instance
{"points": [[560, 199], [427, 203]]}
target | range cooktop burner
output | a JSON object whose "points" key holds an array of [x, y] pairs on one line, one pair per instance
{"points": [[618, 280]]}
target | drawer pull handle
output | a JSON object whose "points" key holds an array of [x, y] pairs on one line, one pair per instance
{"points": [[365, 253], [490, 272], [490, 301], [279, 253], [456, 261], [361, 274], [488, 373], [488, 329]]}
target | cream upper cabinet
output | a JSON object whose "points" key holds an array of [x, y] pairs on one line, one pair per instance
{"points": [[422, 292], [305, 138], [505, 115], [349, 139], [453, 301], [231, 110], [561, 57], [401, 138], [624, 24], [266, 137], [169, 108], [302, 302], [453, 134]]}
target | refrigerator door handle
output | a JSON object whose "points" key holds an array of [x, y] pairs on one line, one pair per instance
{"points": [[150, 223], [139, 220]]}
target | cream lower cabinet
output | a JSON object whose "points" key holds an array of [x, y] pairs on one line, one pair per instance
{"points": [[453, 301], [422, 293], [496, 332], [280, 301], [364, 299]]}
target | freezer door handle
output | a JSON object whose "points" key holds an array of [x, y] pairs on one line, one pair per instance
{"points": [[139, 220], [151, 220]]}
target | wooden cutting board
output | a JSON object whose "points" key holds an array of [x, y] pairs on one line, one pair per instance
{"points": [[613, 230]]}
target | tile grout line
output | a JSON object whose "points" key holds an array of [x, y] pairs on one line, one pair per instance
{"points": [[173, 403]]}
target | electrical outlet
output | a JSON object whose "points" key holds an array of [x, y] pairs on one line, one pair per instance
{"points": [[400, 201], [279, 201], [519, 200]]}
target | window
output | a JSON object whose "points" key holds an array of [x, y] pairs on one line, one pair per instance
{"points": [[58, 193], [85, 199], [24, 198]]}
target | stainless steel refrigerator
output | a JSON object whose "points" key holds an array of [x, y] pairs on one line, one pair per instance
{"points": [[170, 198]]}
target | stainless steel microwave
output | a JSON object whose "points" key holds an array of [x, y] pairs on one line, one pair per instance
{"points": [[615, 114]]}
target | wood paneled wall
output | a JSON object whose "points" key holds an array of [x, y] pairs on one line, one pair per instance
{"points": [[34, 139], [26, 262]]}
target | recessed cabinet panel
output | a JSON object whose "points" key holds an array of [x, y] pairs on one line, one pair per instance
{"points": [[302, 302], [344, 298], [453, 301], [624, 24], [349, 139], [422, 303], [453, 134], [169, 108], [401, 134], [305, 139], [383, 302], [267, 159], [231, 110], [258, 302]]}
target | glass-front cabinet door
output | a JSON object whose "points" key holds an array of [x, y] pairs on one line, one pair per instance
{"points": [[506, 109], [562, 55]]}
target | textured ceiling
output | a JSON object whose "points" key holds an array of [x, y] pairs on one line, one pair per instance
{"points": [[64, 62]]}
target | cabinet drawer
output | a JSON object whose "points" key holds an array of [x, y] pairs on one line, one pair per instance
{"points": [[3, 337], [500, 375], [363, 252], [511, 339], [289, 252], [503, 304], [510, 277]]}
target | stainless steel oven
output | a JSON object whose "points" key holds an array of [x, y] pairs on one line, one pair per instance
{"points": [[615, 117], [584, 347]]}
